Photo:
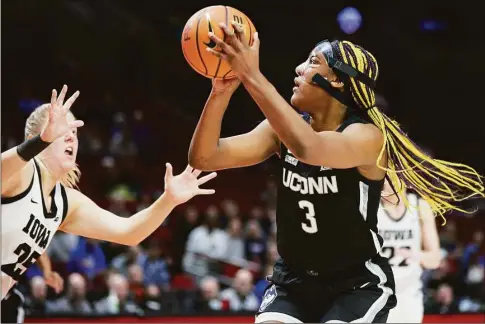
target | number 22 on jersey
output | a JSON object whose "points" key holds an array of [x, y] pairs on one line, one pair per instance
{"points": [[390, 252], [309, 226]]}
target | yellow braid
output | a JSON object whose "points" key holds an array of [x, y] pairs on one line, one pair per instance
{"points": [[440, 183]]}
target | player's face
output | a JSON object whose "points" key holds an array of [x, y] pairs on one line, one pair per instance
{"points": [[307, 96], [63, 151]]}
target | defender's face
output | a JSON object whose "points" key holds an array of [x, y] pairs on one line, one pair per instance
{"points": [[60, 156]]}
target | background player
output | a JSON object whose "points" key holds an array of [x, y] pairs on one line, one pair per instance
{"points": [[341, 150], [38, 195], [411, 243]]}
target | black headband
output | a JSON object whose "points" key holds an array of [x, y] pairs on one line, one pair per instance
{"points": [[325, 47]]}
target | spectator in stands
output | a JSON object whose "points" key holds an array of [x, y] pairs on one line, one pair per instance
{"points": [[183, 227], [119, 196], [208, 296], [62, 246], [87, 258], [152, 300], [36, 303], [134, 255], [444, 301], [75, 301], [269, 194], [443, 275], [205, 242], [122, 142], [263, 283], [136, 282], [474, 294], [255, 242], [272, 215], [241, 296], [272, 255], [118, 300], [235, 242], [155, 268], [471, 249], [448, 237], [258, 213], [230, 210]]}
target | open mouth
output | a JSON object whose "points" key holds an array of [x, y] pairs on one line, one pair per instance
{"points": [[69, 151]]}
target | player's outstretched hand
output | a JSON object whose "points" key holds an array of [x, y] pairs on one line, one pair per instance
{"points": [[54, 280], [58, 124], [184, 186]]}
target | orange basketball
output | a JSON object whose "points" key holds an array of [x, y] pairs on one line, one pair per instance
{"points": [[195, 39]]}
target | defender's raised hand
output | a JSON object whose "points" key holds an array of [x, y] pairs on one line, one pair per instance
{"points": [[58, 123], [184, 186]]}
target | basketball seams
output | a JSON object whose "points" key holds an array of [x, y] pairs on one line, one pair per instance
{"points": [[223, 39], [197, 43]]}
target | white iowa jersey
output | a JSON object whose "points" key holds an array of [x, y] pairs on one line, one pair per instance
{"points": [[28, 228], [402, 233]]}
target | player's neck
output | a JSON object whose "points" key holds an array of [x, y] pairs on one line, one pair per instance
{"points": [[49, 179], [329, 118]]}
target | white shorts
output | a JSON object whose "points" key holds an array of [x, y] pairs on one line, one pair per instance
{"points": [[409, 309]]}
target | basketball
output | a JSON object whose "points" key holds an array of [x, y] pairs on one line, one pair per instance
{"points": [[195, 39]]}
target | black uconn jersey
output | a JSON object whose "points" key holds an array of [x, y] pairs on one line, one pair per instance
{"points": [[28, 227], [327, 218]]}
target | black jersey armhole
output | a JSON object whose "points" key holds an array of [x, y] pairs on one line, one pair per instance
{"points": [[9, 200], [64, 203], [53, 207]]}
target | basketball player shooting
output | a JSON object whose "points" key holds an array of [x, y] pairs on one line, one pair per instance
{"points": [[38, 195], [334, 158], [411, 243]]}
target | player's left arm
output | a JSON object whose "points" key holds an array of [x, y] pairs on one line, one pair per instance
{"points": [[430, 257], [357, 145]]}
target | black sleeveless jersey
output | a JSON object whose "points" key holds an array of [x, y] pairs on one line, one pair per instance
{"points": [[326, 218]]}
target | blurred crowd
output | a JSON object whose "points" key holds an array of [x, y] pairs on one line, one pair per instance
{"points": [[213, 254], [216, 260]]}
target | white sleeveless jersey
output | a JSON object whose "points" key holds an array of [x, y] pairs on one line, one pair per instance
{"points": [[404, 232], [28, 228]]}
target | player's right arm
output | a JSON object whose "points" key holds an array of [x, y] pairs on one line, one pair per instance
{"points": [[431, 254], [209, 152], [85, 218], [15, 176]]}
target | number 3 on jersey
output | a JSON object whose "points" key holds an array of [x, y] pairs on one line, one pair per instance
{"points": [[312, 227]]}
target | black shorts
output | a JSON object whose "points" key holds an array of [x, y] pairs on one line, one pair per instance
{"points": [[13, 307], [363, 295]]}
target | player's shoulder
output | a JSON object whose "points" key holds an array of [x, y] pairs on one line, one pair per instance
{"points": [[364, 129], [367, 135], [75, 198], [19, 183]]}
